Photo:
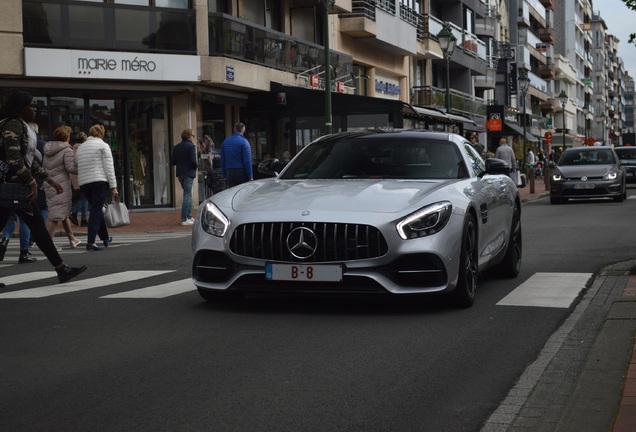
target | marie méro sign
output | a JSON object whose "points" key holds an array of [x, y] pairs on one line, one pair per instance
{"points": [[45, 62]]}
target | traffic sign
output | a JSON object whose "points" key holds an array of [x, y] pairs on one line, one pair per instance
{"points": [[548, 135]]}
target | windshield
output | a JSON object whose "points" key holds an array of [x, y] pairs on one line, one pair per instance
{"points": [[378, 156], [587, 157], [626, 153]]}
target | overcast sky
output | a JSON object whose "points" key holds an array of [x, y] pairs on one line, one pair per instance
{"points": [[621, 22]]}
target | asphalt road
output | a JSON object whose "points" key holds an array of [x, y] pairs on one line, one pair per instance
{"points": [[79, 361]]}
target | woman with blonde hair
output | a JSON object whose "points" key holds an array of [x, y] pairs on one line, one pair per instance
{"points": [[96, 178], [59, 162]]}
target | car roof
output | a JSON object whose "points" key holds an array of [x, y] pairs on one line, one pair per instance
{"points": [[393, 133]]}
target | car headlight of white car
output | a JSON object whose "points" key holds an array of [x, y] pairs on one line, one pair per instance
{"points": [[610, 176], [426, 221], [213, 221]]}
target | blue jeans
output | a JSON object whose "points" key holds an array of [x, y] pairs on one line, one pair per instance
{"points": [[81, 206], [186, 206], [96, 194], [25, 232]]}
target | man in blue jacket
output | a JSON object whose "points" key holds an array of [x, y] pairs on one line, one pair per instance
{"points": [[184, 157], [236, 157]]}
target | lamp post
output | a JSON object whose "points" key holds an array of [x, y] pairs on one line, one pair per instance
{"points": [[328, 118], [524, 83], [447, 43], [563, 98], [586, 110]]}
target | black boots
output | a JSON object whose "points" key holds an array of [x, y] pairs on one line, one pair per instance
{"points": [[67, 272], [3, 247], [73, 218], [26, 257]]}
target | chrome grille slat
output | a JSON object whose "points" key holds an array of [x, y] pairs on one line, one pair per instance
{"points": [[336, 242]]}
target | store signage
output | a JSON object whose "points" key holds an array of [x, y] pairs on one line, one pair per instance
{"points": [[340, 88], [386, 87], [314, 80], [229, 73], [494, 123], [57, 63]]}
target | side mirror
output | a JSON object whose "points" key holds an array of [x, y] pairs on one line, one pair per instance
{"points": [[552, 165], [267, 166], [497, 166]]}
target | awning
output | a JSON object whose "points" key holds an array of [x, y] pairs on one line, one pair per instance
{"points": [[460, 118], [514, 129], [427, 112]]}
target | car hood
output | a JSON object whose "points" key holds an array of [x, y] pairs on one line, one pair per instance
{"points": [[386, 196], [586, 170]]}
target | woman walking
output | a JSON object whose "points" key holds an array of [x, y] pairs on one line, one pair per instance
{"points": [[81, 206], [59, 163], [16, 112], [96, 178]]}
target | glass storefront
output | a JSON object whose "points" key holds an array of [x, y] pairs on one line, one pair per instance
{"points": [[137, 130]]}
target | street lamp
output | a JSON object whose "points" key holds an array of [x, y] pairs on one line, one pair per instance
{"points": [[328, 118], [563, 98], [586, 110], [524, 83], [447, 42]]}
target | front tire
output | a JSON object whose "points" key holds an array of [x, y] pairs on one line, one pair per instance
{"points": [[510, 266], [464, 294]]}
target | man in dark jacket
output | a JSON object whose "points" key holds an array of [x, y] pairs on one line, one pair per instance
{"points": [[184, 157]]}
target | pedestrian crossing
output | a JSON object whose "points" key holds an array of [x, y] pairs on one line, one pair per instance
{"points": [[548, 290], [50, 287], [13, 250]]}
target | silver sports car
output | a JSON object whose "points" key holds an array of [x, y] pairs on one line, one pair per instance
{"points": [[374, 212]]}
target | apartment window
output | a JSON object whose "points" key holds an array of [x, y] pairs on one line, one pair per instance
{"points": [[303, 23], [113, 26], [176, 4]]}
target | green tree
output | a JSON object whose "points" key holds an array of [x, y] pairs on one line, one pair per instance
{"points": [[631, 4]]}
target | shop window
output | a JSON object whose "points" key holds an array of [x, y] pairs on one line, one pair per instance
{"points": [[148, 151]]}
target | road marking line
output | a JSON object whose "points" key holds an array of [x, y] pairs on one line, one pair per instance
{"points": [[27, 277], [100, 281], [557, 290], [157, 291]]}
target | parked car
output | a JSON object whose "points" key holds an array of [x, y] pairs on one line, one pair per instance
{"points": [[627, 156], [373, 212], [587, 172]]}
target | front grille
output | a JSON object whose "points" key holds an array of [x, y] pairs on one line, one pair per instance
{"points": [[335, 242]]}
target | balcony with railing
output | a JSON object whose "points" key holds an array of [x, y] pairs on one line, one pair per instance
{"points": [[377, 20], [547, 35], [548, 106], [244, 40], [548, 71], [460, 102]]}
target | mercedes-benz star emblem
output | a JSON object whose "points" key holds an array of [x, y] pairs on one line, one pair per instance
{"points": [[302, 242], [584, 178]]}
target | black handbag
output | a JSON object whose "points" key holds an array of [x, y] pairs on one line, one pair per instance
{"points": [[14, 196]]}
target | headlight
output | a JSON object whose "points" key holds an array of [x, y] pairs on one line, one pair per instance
{"points": [[558, 177], [610, 176], [213, 221], [426, 221]]}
